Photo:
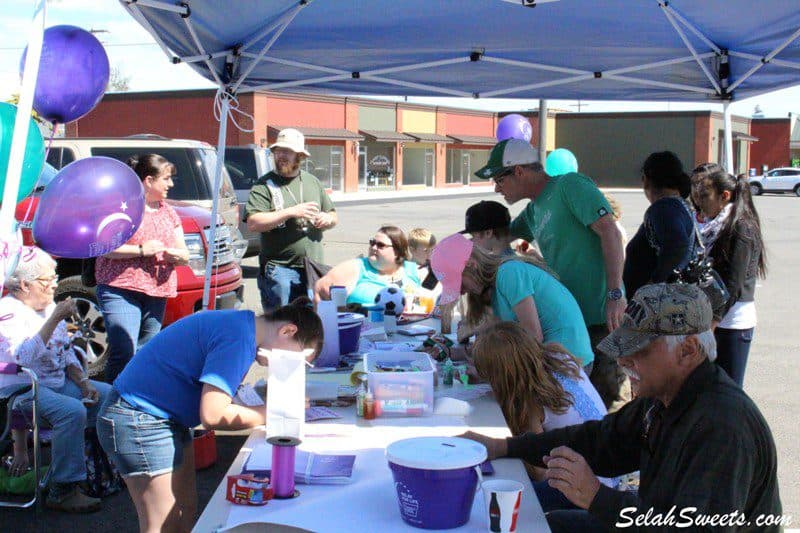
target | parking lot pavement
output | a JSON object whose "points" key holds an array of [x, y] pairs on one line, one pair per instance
{"points": [[772, 378]]}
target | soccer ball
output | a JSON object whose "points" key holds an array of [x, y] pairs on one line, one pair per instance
{"points": [[391, 299]]}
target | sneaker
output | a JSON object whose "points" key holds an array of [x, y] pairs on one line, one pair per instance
{"points": [[69, 499]]}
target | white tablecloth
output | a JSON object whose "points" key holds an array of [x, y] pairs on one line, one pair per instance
{"points": [[369, 503]]}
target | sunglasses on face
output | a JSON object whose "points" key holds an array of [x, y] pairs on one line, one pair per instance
{"points": [[500, 177], [379, 245]]}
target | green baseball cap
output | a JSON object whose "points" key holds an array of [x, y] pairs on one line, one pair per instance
{"points": [[657, 310], [505, 154]]}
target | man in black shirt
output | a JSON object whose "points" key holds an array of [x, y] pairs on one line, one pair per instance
{"points": [[705, 454]]}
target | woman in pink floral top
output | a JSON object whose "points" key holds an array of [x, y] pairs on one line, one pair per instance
{"points": [[135, 280]]}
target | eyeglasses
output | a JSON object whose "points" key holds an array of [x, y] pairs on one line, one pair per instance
{"points": [[48, 280], [499, 179], [379, 245]]}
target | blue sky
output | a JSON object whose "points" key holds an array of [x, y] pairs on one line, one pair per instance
{"points": [[132, 50]]}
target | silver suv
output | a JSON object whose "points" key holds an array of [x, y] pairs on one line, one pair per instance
{"points": [[786, 179], [195, 161], [245, 165]]}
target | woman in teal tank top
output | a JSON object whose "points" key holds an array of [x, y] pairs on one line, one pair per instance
{"points": [[364, 277]]}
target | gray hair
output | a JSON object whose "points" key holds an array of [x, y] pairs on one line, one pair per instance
{"points": [[33, 262], [706, 339]]}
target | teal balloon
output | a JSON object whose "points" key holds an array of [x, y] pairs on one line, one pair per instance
{"points": [[560, 161], [33, 158]]}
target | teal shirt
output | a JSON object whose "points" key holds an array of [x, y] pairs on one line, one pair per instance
{"points": [[558, 221], [369, 282], [559, 314]]}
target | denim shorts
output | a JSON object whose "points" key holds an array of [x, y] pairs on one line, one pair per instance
{"points": [[139, 443]]}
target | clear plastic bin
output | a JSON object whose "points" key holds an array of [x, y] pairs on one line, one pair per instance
{"points": [[406, 391]]}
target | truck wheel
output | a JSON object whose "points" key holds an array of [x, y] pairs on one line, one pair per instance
{"points": [[88, 325], [756, 189]]}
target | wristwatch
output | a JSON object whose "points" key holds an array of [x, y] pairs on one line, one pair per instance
{"points": [[614, 294]]}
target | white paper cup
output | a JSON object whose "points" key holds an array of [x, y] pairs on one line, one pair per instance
{"points": [[339, 296], [390, 324], [502, 498]]}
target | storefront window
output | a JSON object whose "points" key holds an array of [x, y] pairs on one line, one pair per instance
{"points": [[377, 165], [326, 163], [418, 166], [461, 164]]}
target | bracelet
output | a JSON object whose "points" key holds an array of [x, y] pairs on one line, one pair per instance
{"points": [[141, 251], [84, 379]]}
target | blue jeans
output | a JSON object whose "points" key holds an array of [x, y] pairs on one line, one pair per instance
{"points": [[280, 285], [733, 347], [62, 410], [132, 318], [137, 442]]}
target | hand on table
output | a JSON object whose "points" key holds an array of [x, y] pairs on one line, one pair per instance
{"points": [[569, 472]]}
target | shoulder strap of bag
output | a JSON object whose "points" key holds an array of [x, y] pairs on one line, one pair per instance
{"points": [[277, 198]]}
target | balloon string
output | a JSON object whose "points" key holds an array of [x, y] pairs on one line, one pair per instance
{"points": [[36, 185], [234, 108]]}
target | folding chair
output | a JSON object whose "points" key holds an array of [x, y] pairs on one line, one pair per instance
{"points": [[9, 421]]}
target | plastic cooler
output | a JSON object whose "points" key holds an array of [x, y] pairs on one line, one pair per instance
{"points": [[349, 331], [408, 391], [436, 479]]}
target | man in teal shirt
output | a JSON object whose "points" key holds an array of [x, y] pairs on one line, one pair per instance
{"points": [[571, 221]]}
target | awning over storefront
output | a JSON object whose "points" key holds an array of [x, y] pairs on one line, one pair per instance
{"points": [[739, 136], [386, 136], [429, 137], [321, 134], [473, 139]]}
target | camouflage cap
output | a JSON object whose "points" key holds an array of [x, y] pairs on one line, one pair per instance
{"points": [[658, 310]]}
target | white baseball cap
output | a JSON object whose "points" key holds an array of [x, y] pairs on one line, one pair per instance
{"points": [[291, 139], [506, 154]]}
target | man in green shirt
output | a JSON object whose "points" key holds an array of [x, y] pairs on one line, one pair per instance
{"points": [[290, 209], [571, 221]]}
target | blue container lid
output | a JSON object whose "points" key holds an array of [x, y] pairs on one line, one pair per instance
{"points": [[349, 319], [436, 453]]}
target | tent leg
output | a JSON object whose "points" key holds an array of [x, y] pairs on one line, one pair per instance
{"points": [[542, 130], [726, 116], [223, 134]]}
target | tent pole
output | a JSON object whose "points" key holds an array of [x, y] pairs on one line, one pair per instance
{"points": [[726, 117], [691, 48], [542, 130], [221, 140], [23, 119], [766, 59]]}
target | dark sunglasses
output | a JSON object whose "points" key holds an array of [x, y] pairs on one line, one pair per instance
{"points": [[379, 245], [500, 177]]}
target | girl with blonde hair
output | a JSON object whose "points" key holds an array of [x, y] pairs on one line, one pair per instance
{"points": [[540, 387]]}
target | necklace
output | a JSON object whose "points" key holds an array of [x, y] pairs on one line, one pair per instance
{"points": [[294, 198]]}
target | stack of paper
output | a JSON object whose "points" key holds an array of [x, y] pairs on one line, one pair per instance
{"points": [[309, 468]]}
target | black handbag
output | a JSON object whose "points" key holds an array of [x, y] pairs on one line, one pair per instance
{"points": [[87, 272], [700, 271]]}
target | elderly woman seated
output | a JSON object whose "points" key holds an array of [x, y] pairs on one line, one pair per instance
{"points": [[33, 334], [364, 277]]}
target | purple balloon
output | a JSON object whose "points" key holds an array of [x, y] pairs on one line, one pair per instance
{"points": [[92, 207], [73, 74], [514, 126]]}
